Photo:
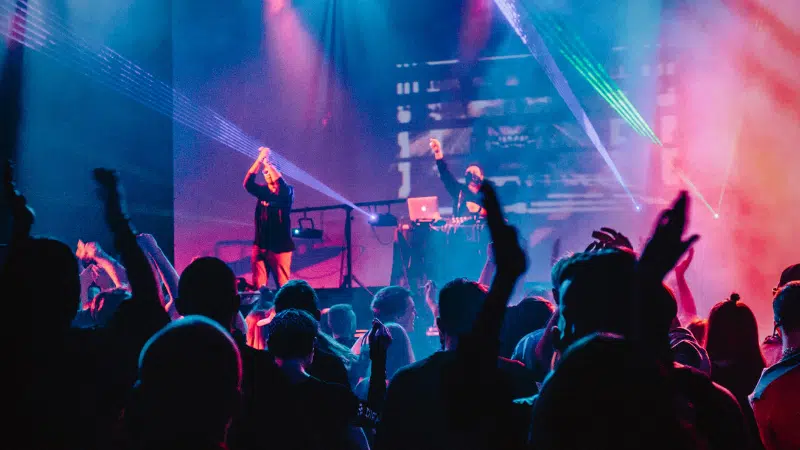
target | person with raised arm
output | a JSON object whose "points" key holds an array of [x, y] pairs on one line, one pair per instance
{"points": [[163, 269], [314, 414], [95, 366], [100, 267], [442, 401], [273, 244], [147, 301], [466, 197], [687, 307], [616, 380]]}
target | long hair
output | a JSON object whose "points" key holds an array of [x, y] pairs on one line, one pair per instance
{"points": [[732, 338], [327, 343], [400, 353]]}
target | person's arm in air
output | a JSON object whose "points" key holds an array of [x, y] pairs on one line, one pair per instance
{"points": [[91, 251], [22, 218], [687, 308], [146, 294], [368, 413], [163, 268], [431, 293], [511, 262], [22, 215], [257, 190], [488, 268], [379, 342], [285, 192], [475, 370], [661, 254], [450, 183]]}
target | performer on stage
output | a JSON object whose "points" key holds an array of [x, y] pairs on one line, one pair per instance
{"points": [[466, 198], [273, 244]]}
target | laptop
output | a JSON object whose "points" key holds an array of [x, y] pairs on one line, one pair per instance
{"points": [[424, 209]]}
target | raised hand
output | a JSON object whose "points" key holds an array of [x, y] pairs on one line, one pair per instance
{"points": [[666, 245], [609, 238], [436, 147], [88, 251], [509, 256], [110, 193], [22, 213], [378, 340], [431, 290], [681, 267], [263, 154], [431, 293]]}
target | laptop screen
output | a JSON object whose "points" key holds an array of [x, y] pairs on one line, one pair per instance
{"points": [[423, 209]]}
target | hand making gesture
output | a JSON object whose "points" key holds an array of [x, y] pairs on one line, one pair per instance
{"points": [[609, 238], [666, 245], [263, 154], [379, 340], [22, 214], [111, 194], [436, 147]]}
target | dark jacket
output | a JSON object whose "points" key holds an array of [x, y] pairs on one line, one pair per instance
{"points": [[272, 215]]}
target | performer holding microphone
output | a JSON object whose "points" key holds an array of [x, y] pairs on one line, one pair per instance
{"points": [[273, 244]]}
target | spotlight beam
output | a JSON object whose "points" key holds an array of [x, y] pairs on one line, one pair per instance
{"points": [[531, 38], [45, 33], [577, 53], [696, 192]]}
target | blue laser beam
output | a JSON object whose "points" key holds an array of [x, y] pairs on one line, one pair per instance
{"points": [[128, 81], [45, 33], [527, 32]]}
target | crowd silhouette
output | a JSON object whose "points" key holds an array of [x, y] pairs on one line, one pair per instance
{"points": [[139, 357]]}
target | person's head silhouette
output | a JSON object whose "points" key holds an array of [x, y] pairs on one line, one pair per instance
{"points": [[594, 291], [297, 294], [291, 337], [189, 386], [460, 301], [58, 303], [207, 287]]}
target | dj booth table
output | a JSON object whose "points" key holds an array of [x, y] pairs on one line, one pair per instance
{"points": [[438, 251]]}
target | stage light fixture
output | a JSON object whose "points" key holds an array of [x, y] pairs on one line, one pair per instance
{"points": [[383, 220], [303, 232]]}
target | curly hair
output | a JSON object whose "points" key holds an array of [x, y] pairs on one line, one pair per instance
{"points": [[292, 334]]}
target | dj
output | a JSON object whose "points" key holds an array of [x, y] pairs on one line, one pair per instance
{"points": [[466, 198]]}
